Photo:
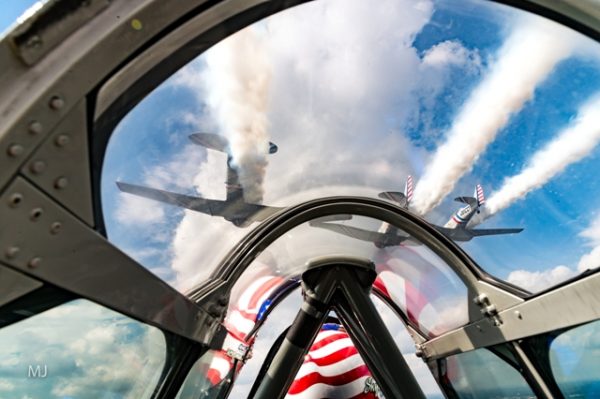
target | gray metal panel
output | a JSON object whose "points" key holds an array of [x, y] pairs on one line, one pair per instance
{"points": [[586, 12], [14, 285], [161, 50], [570, 305], [70, 71], [49, 243], [38, 35], [60, 166]]}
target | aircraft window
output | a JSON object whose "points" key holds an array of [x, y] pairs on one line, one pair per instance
{"points": [[407, 346], [574, 358], [80, 349], [339, 97], [209, 377], [482, 374], [410, 274]]}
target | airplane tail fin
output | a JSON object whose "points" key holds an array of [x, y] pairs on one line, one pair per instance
{"points": [[408, 189], [219, 143], [402, 199], [394, 196], [479, 195]]}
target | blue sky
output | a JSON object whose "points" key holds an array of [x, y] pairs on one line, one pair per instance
{"points": [[11, 10], [354, 108]]}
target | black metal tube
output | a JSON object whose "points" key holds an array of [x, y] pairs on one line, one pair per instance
{"points": [[373, 340], [289, 357], [318, 290]]}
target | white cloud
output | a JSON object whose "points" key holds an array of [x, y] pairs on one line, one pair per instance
{"points": [[339, 70], [591, 260], [133, 210], [6, 386], [540, 280], [177, 175], [451, 52], [87, 350]]}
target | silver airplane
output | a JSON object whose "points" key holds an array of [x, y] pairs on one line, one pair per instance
{"points": [[233, 209], [387, 236]]}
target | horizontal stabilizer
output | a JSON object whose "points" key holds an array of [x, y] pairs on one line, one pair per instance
{"points": [[212, 141], [491, 232], [219, 143], [394, 196], [462, 234], [467, 200], [228, 210]]}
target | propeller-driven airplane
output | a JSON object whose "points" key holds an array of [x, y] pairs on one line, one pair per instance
{"points": [[387, 235], [233, 209]]}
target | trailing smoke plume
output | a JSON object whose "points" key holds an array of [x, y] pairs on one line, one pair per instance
{"points": [[525, 59], [574, 143], [238, 77]]}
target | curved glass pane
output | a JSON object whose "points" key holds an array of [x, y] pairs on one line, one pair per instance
{"points": [[575, 361], [80, 350], [410, 275], [476, 101], [407, 346], [481, 374]]}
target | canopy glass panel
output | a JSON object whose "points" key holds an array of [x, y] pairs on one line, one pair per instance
{"points": [[474, 100]]}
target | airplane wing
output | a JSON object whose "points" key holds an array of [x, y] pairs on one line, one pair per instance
{"points": [[199, 204], [361, 234]]}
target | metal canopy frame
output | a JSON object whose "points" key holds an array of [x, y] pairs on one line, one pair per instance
{"points": [[69, 75], [343, 284]]}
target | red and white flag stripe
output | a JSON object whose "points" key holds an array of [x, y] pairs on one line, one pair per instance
{"points": [[333, 369], [241, 317]]}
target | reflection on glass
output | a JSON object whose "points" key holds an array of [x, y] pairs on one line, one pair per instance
{"points": [[411, 275], [481, 374], [208, 378], [80, 350], [277, 322], [575, 361], [407, 346]]}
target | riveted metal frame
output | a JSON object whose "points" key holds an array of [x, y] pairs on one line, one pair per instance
{"points": [[44, 140], [569, 305], [41, 91], [81, 261], [14, 285]]}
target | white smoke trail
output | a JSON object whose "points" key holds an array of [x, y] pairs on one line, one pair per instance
{"points": [[571, 145], [526, 58], [238, 77]]}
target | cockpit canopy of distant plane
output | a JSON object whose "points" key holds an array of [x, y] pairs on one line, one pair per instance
{"points": [[289, 199]]}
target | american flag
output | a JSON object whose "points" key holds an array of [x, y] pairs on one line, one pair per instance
{"points": [[333, 369], [249, 304]]}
